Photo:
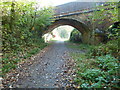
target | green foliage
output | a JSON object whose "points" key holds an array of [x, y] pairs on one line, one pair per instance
{"points": [[90, 73], [98, 72], [111, 13], [63, 33], [75, 36], [23, 24], [114, 31], [107, 63], [110, 47], [104, 74], [10, 60]]}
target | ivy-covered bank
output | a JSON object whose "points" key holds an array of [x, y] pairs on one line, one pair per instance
{"points": [[23, 24]]}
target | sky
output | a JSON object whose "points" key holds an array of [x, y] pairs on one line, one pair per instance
{"points": [[43, 3], [53, 2], [59, 2]]}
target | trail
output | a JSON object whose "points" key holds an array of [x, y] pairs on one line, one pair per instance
{"points": [[47, 71]]}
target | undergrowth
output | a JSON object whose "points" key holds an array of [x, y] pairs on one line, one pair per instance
{"points": [[98, 67], [11, 59]]}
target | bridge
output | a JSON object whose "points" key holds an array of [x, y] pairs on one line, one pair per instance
{"points": [[82, 20]]}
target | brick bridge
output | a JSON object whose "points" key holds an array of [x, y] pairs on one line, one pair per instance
{"points": [[80, 19]]}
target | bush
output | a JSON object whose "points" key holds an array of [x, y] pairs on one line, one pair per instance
{"points": [[107, 62], [114, 30], [22, 31], [105, 75], [102, 71], [90, 73], [110, 47], [10, 60], [75, 36]]}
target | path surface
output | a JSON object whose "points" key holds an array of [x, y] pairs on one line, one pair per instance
{"points": [[45, 73]]}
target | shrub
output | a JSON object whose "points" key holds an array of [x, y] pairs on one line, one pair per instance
{"points": [[114, 30], [106, 75], [75, 36], [91, 74], [23, 25], [107, 62], [110, 47]]}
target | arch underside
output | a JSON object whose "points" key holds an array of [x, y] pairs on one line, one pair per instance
{"points": [[71, 22], [85, 31]]}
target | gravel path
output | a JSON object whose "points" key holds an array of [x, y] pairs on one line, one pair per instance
{"points": [[47, 70]]}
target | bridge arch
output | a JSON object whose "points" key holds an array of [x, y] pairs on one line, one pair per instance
{"points": [[84, 29]]}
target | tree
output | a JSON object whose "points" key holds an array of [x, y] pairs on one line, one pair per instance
{"points": [[23, 22]]}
